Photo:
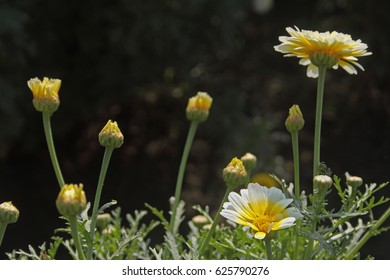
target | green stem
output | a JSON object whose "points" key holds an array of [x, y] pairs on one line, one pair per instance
{"points": [[317, 133], [310, 246], [370, 233], [102, 176], [217, 218], [295, 147], [180, 176], [269, 247], [75, 236], [3, 227], [50, 146]]}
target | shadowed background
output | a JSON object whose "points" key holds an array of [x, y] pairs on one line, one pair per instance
{"points": [[138, 62]]}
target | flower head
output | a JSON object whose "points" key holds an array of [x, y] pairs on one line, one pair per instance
{"points": [[329, 49], [262, 209], [9, 214], [111, 136], [45, 94], [198, 107], [294, 121], [234, 174], [71, 200]]}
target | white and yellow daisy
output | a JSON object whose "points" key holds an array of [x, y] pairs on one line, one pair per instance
{"points": [[329, 49], [262, 209]]}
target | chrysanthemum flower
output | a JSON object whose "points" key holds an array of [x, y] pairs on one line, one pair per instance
{"points": [[262, 209], [329, 49], [198, 107]]}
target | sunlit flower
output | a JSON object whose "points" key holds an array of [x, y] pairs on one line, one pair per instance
{"points": [[260, 208], [45, 94], [329, 49]]}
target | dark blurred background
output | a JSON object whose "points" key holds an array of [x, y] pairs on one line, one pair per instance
{"points": [[138, 62]]}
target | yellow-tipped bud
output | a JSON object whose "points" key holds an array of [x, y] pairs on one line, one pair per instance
{"points": [[111, 136], [294, 121], [249, 160], [71, 200], [45, 94], [9, 214], [234, 174], [354, 181], [198, 107]]}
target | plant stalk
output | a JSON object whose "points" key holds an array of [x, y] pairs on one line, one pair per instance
{"points": [[50, 146], [295, 147], [269, 248], [3, 227], [317, 132], [75, 236], [102, 176], [180, 176]]}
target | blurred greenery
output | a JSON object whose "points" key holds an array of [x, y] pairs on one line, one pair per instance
{"points": [[137, 62]]}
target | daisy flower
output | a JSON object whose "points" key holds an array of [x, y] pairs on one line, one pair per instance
{"points": [[329, 49], [262, 209]]}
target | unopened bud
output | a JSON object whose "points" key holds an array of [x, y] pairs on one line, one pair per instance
{"points": [[234, 174], [198, 107], [294, 121], [354, 181], [71, 200], [111, 136], [322, 182], [200, 221], [8, 213], [45, 94], [249, 160], [102, 220]]}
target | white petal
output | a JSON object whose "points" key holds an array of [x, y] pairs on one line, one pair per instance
{"points": [[241, 206], [280, 206], [312, 71], [285, 223], [260, 235], [258, 198], [293, 212]]}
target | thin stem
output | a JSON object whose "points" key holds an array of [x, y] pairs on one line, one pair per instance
{"points": [[370, 233], [217, 218], [102, 176], [295, 147], [3, 227], [180, 176], [317, 133], [50, 146], [310, 246], [75, 236], [269, 247]]}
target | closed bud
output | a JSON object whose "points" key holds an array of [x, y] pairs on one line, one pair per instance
{"points": [[322, 182], [102, 220], [234, 174], [9, 214], [111, 136], [294, 121], [354, 181], [200, 221], [45, 94], [198, 107], [71, 200], [249, 160]]}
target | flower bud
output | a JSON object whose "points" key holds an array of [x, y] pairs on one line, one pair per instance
{"points": [[354, 181], [71, 200], [234, 174], [294, 121], [111, 136], [322, 182], [9, 214], [198, 107], [102, 220], [249, 160], [45, 94], [200, 221]]}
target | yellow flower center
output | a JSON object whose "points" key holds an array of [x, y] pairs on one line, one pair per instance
{"points": [[263, 223]]}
